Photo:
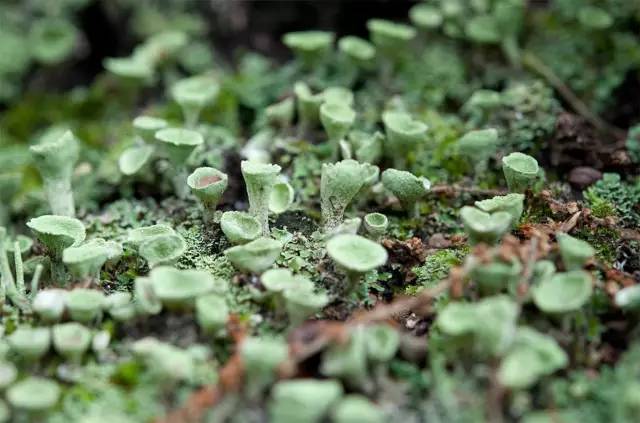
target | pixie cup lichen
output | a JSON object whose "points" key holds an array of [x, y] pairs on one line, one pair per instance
{"points": [[280, 114], [355, 408], [33, 395], [147, 126], [301, 302], [240, 227], [193, 94], [55, 160], [339, 184], [360, 51], [71, 340], [255, 256], [180, 288], [261, 357], [303, 400], [163, 249], [337, 119], [511, 203], [281, 198], [376, 225], [179, 143], [575, 252], [425, 16], [404, 134], [356, 255], [211, 312], [57, 233], [407, 187], [521, 171], [563, 292], [84, 305], [133, 159], [30, 343], [478, 147], [307, 105], [485, 227], [310, 47], [208, 185], [260, 179]]}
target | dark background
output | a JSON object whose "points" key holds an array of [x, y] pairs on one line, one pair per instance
{"points": [[245, 24]]}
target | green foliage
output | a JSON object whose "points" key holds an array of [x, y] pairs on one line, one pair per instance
{"points": [[612, 194]]}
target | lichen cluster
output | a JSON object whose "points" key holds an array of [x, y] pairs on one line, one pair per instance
{"points": [[367, 232]]}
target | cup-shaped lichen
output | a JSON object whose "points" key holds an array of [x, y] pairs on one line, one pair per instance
{"points": [[390, 37], [71, 340], [339, 184], [485, 227], [84, 305], [57, 232], [301, 302], [361, 52], [145, 299], [85, 260], [407, 187], [33, 395], [240, 227], [52, 39], [382, 342], [119, 306], [356, 255], [180, 288], [477, 147], [208, 185], [376, 225], [147, 126], [259, 179], [575, 252], [281, 198], [280, 114], [133, 69], [337, 119], [261, 357], [255, 256], [490, 322], [308, 105], [532, 356], [134, 158], [520, 170], [30, 344], [311, 47], [563, 292], [357, 408], [511, 203], [179, 143], [303, 400], [55, 160], [138, 236], [163, 249], [49, 304], [348, 360], [496, 276], [425, 16], [211, 312], [193, 94], [404, 134]]}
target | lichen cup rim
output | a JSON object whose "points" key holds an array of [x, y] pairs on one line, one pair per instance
{"points": [[356, 253]]}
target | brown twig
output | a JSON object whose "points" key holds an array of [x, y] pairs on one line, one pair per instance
{"points": [[531, 61]]}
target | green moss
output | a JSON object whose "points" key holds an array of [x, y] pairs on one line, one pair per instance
{"points": [[435, 268], [604, 240]]}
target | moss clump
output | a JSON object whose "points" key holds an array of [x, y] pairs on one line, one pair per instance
{"points": [[612, 193], [435, 268], [604, 240]]}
